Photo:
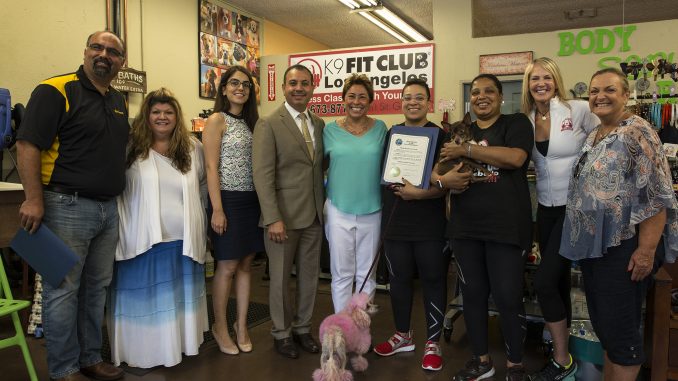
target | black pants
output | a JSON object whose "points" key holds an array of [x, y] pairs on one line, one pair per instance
{"points": [[496, 268], [615, 301], [552, 280], [403, 257]]}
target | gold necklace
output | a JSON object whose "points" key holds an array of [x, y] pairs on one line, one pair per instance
{"points": [[543, 116], [353, 131]]}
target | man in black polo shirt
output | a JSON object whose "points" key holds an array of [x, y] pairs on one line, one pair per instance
{"points": [[71, 149]]}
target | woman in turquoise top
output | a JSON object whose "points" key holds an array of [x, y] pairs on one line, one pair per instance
{"points": [[353, 146]]}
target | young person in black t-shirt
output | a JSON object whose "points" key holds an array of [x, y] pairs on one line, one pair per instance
{"points": [[490, 226], [413, 222]]}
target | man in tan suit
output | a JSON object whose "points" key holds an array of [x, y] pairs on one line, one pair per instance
{"points": [[287, 154]]}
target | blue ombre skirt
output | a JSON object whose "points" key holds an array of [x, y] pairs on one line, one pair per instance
{"points": [[157, 307]]}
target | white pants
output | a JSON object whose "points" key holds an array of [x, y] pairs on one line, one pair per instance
{"points": [[353, 241]]}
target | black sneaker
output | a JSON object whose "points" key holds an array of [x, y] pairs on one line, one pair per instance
{"points": [[555, 372], [516, 373], [475, 370]]}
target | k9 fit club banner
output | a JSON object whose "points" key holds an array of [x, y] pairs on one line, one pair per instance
{"points": [[387, 67]]}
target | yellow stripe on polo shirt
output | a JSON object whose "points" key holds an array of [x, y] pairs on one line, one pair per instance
{"points": [[48, 159], [60, 82]]}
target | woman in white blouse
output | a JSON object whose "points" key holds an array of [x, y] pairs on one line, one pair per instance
{"points": [[157, 304], [560, 128]]}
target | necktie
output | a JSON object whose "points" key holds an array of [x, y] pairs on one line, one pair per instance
{"points": [[307, 135]]}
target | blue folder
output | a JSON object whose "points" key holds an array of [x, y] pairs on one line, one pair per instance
{"points": [[46, 253]]}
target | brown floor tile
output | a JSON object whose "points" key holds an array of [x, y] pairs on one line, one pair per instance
{"points": [[265, 364]]}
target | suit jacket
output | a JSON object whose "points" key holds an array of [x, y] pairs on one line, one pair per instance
{"points": [[289, 185]]}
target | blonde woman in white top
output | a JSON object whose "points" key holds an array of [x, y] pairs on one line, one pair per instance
{"points": [[560, 128]]}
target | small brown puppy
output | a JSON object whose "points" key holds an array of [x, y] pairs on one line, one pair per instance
{"points": [[460, 132]]}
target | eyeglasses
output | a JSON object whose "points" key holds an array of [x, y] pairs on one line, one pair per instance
{"points": [[234, 83], [418, 98], [110, 51]]}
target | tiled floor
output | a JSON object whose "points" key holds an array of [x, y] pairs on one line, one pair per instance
{"points": [[265, 364]]}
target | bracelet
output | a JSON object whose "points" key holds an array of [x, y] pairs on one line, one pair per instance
{"points": [[468, 150]]}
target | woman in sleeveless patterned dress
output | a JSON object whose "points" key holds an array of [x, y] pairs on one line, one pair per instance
{"points": [[233, 209]]}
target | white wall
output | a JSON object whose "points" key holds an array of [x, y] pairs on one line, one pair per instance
{"points": [[41, 39], [280, 40], [164, 34]]}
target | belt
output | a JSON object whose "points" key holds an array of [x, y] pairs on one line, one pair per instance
{"points": [[63, 190]]}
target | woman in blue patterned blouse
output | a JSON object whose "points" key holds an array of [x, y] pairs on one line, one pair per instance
{"points": [[620, 206]]}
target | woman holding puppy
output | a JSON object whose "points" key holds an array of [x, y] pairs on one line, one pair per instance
{"points": [[490, 226]]}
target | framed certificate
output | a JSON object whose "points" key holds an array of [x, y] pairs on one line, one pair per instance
{"points": [[409, 154]]}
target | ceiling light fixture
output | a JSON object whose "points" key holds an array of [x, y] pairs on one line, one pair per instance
{"points": [[384, 18], [350, 3], [383, 26], [400, 24]]}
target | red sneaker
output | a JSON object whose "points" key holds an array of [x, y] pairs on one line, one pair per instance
{"points": [[433, 357], [395, 344]]}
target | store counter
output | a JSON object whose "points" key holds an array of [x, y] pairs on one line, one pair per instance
{"points": [[11, 197]]}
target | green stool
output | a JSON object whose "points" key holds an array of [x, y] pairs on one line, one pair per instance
{"points": [[9, 306]]}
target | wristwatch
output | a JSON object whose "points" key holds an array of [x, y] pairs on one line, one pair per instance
{"points": [[439, 185]]}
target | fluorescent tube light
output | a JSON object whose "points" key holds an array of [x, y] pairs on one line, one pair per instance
{"points": [[382, 17], [400, 25], [350, 3], [383, 26]]}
